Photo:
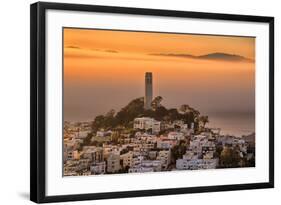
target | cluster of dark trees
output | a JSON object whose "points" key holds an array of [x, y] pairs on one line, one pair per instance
{"points": [[229, 157], [124, 118], [178, 150]]}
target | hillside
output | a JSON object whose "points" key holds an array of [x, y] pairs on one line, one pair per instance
{"points": [[125, 117]]}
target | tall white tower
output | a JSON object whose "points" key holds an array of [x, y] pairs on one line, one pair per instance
{"points": [[148, 91]]}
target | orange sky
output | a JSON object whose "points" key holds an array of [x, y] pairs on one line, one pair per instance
{"points": [[144, 43], [102, 67]]}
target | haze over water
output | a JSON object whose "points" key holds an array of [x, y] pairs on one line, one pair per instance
{"points": [[105, 70]]}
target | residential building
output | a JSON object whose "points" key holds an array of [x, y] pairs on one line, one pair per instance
{"points": [[93, 153], [127, 159], [98, 168], [140, 169], [147, 123], [190, 155], [166, 144], [194, 164], [165, 157], [175, 136], [113, 163]]}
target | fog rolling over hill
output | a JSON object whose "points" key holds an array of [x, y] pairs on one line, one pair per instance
{"points": [[210, 56]]}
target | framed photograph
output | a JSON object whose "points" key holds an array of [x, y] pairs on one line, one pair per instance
{"points": [[129, 102]]}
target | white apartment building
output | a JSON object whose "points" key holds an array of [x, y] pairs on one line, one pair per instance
{"points": [[197, 143], [137, 160], [165, 157], [110, 149], [146, 166], [154, 164], [165, 144], [146, 123], [127, 159], [93, 153], [140, 169], [196, 146], [98, 168], [194, 164], [175, 136]]}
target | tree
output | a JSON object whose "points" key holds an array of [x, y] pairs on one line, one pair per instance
{"points": [[194, 112], [128, 113], [178, 151], [124, 119], [229, 157], [110, 113], [218, 151], [173, 114], [160, 113], [109, 119], [204, 119], [156, 102], [98, 123], [184, 108], [88, 140], [115, 137]]}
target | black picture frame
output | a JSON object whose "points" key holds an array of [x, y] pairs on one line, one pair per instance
{"points": [[38, 101]]}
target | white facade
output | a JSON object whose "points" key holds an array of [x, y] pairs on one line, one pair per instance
{"points": [[146, 166], [98, 168], [167, 144], [145, 123], [127, 159], [165, 157], [154, 164], [197, 143], [95, 154], [175, 136], [190, 155], [184, 164], [140, 169], [137, 160]]}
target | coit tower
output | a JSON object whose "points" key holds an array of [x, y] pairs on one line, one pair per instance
{"points": [[148, 91]]}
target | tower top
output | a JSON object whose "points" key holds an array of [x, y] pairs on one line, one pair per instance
{"points": [[148, 74]]}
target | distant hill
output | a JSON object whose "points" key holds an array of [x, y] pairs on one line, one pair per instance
{"points": [[210, 56], [224, 56]]}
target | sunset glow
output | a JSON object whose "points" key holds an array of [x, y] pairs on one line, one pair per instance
{"points": [[140, 102], [99, 64]]}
